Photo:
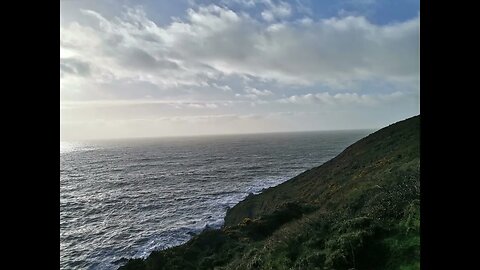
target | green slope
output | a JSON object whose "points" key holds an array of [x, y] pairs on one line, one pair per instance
{"points": [[360, 210]]}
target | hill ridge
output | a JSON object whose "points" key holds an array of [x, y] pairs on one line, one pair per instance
{"points": [[359, 210]]}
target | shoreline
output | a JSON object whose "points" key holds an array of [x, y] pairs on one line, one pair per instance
{"points": [[194, 232], [333, 216]]}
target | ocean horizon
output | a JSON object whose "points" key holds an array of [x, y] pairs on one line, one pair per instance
{"points": [[124, 198]]}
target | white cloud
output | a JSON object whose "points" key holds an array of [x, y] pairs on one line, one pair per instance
{"points": [[342, 98], [276, 11], [203, 106], [213, 41], [255, 91], [222, 87]]}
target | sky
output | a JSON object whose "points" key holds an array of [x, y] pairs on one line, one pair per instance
{"points": [[144, 68]]}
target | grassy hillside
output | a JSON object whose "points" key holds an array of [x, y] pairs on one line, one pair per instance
{"points": [[360, 210]]}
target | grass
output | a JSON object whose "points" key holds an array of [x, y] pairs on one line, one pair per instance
{"points": [[359, 210]]}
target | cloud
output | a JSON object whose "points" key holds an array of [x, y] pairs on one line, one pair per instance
{"points": [[214, 41], [255, 91], [256, 63], [342, 98], [74, 66], [138, 59], [203, 106], [225, 88], [213, 104], [276, 11]]}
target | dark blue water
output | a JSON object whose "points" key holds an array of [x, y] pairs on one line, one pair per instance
{"points": [[125, 198]]}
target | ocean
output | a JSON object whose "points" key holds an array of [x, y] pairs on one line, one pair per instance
{"points": [[126, 198]]}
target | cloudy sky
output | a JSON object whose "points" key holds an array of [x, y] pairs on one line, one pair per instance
{"points": [[144, 68]]}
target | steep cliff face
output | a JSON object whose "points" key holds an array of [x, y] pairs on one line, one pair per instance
{"points": [[360, 210]]}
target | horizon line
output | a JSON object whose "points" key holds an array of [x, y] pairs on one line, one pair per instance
{"points": [[215, 134]]}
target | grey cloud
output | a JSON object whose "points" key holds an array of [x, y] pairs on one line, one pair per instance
{"points": [[213, 40], [74, 66], [114, 40], [139, 59], [150, 37], [329, 51]]}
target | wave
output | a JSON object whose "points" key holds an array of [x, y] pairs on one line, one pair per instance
{"points": [[126, 200]]}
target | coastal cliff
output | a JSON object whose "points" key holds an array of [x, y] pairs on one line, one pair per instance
{"points": [[360, 210]]}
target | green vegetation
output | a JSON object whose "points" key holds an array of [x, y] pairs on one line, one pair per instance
{"points": [[360, 210]]}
